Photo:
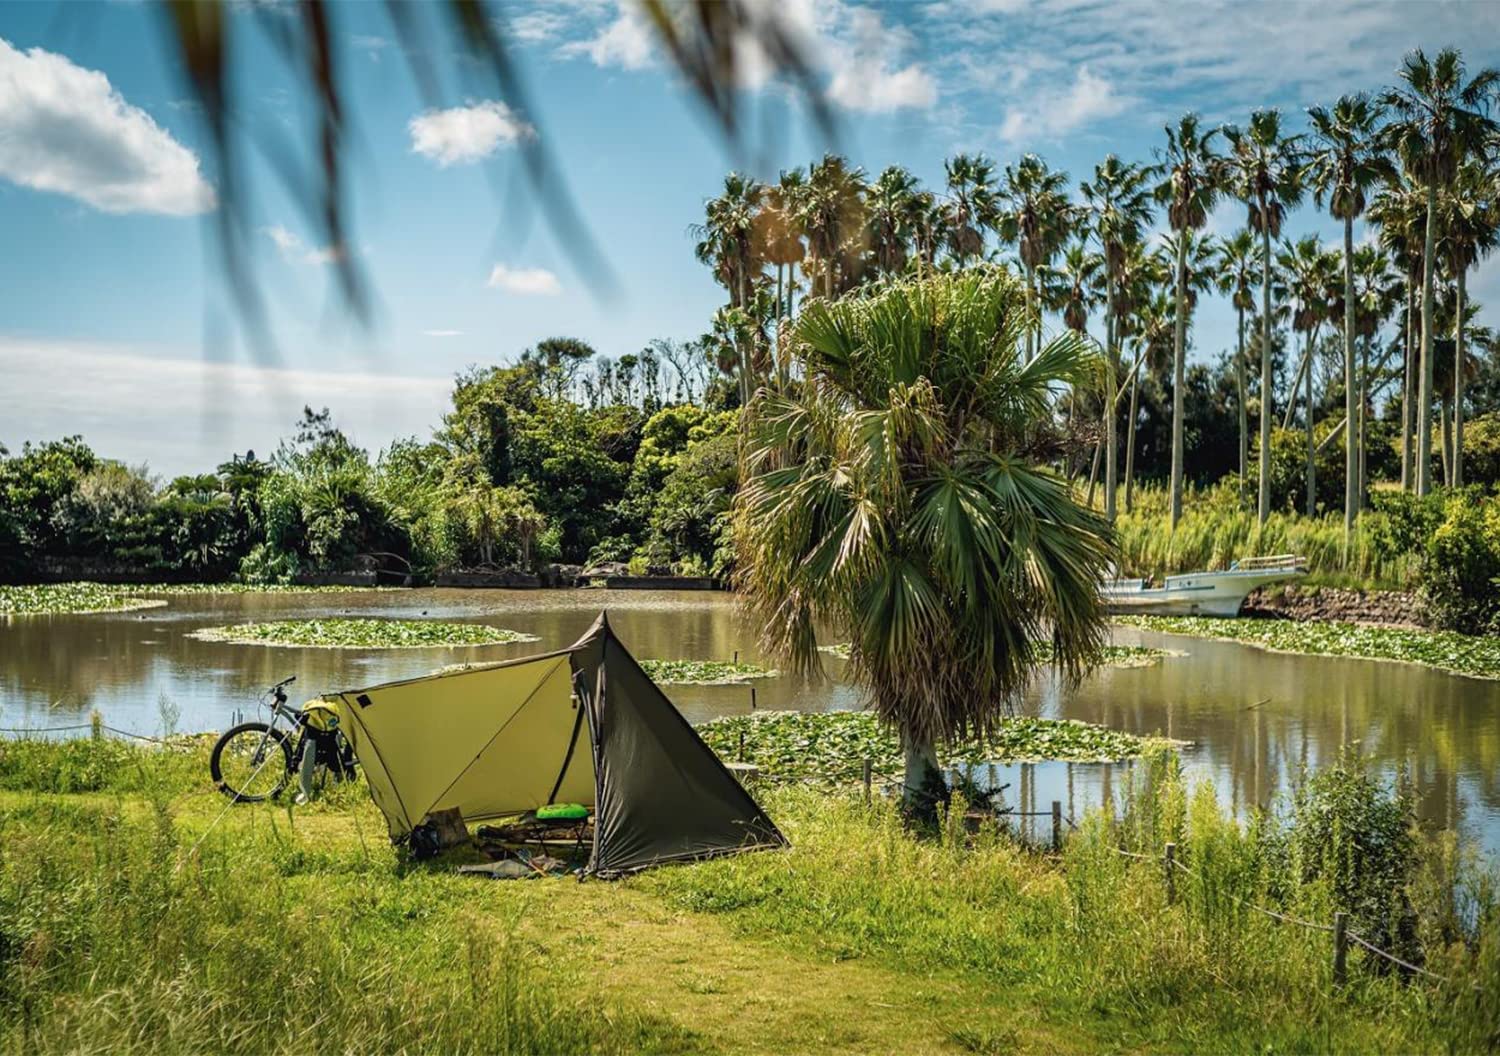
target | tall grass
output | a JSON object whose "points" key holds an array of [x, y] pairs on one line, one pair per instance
{"points": [[1214, 531]]}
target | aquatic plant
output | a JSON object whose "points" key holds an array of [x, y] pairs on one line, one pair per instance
{"points": [[1110, 655], [833, 745], [703, 672], [46, 599], [363, 633], [1447, 650]]}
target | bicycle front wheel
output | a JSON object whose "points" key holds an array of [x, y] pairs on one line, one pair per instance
{"points": [[252, 762]]}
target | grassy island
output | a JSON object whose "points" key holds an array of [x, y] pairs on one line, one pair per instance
{"points": [[363, 633]]}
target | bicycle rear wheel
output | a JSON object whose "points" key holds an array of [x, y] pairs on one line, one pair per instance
{"points": [[252, 762]]}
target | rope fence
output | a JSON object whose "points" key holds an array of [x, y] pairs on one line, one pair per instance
{"points": [[31, 730]]}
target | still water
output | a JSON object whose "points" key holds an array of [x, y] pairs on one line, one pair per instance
{"points": [[1255, 718]]}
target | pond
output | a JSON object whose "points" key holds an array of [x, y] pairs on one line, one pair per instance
{"points": [[1255, 718]]}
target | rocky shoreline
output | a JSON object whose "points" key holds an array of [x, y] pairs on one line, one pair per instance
{"points": [[1380, 608]]}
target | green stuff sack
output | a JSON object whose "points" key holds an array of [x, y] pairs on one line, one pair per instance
{"points": [[562, 812]]}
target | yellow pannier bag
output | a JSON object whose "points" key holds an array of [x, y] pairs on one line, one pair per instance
{"points": [[320, 715]]}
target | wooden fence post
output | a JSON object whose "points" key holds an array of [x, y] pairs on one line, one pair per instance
{"points": [[736, 656], [1340, 947], [1169, 862], [752, 698], [1056, 826], [867, 781]]}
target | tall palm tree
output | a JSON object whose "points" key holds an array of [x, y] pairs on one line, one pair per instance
{"points": [[833, 218], [1189, 191], [892, 499], [971, 205], [1347, 163], [1119, 204], [895, 213], [1036, 217], [727, 243], [1262, 170], [781, 232], [1073, 286], [1441, 119], [1378, 290], [1470, 221], [1238, 259], [1311, 275], [1154, 328], [1399, 210]]}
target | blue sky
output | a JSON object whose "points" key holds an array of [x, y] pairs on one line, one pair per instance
{"points": [[112, 322]]}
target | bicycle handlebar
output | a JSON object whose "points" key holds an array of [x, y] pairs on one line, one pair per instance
{"points": [[284, 682]]}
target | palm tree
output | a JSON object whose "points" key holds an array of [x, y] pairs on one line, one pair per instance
{"points": [[1119, 202], [1155, 326], [1036, 217], [1072, 287], [1263, 168], [833, 218], [971, 205], [1441, 121], [1238, 259], [727, 243], [1378, 291], [1342, 170], [781, 236], [1311, 282], [891, 499], [1189, 191], [1470, 220], [895, 214], [1400, 210]]}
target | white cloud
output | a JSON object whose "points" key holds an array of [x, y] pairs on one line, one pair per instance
{"points": [[1052, 116], [528, 282], [183, 415], [371, 45], [442, 333], [535, 27], [865, 71], [64, 128], [466, 133], [293, 248], [626, 41]]}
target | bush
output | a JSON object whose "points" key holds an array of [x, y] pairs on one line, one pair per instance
{"points": [[1461, 574]]}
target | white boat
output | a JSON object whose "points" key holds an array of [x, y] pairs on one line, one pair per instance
{"points": [[1201, 593]]}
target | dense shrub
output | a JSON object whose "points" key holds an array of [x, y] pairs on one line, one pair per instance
{"points": [[1461, 573]]}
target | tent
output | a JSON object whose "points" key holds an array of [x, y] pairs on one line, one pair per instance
{"points": [[581, 725]]}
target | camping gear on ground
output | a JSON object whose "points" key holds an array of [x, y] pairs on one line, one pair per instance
{"points": [[254, 761], [583, 725]]}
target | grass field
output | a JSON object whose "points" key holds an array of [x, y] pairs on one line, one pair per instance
{"points": [[130, 921]]}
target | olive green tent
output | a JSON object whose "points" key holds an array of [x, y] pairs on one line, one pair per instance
{"points": [[581, 725]]}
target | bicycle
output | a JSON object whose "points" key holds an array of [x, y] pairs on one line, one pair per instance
{"points": [[255, 761]]}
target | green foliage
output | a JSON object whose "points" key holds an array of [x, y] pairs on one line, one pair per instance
{"points": [[702, 672], [1109, 655], [355, 633], [832, 746], [1447, 650], [1482, 448], [1461, 576], [50, 598]]}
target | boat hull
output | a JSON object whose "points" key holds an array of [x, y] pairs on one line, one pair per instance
{"points": [[1199, 594]]}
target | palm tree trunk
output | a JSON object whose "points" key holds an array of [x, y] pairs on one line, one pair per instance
{"points": [[1364, 439], [791, 292], [1312, 480], [1424, 389], [1444, 440], [1458, 384], [1263, 500], [1179, 354], [1029, 302], [921, 761], [1351, 433], [1135, 393], [1239, 372], [1111, 437]]}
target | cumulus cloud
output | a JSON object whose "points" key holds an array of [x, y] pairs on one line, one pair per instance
{"points": [[293, 248], [625, 41], [1051, 116], [466, 133], [535, 27], [442, 333], [528, 282], [866, 74], [65, 129], [143, 407]]}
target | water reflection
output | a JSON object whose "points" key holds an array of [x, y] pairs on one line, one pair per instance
{"points": [[1256, 718]]}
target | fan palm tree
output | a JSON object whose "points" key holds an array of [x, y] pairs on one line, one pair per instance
{"points": [[895, 212], [1119, 205], [1311, 275], [1189, 191], [1470, 221], [781, 232], [1036, 217], [1347, 163], [1262, 171], [1441, 120], [727, 243], [971, 205], [1073, 287], [1378, 290], [1155, 326], [892, 500], [833, 218], [1399, 210], [1238, 260]]}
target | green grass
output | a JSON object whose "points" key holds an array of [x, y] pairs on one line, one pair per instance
{"points": [[1446, 650], [832, 746], [41, 599], [301, 930], [363, 633], [702, 672], [1111, 656]]}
